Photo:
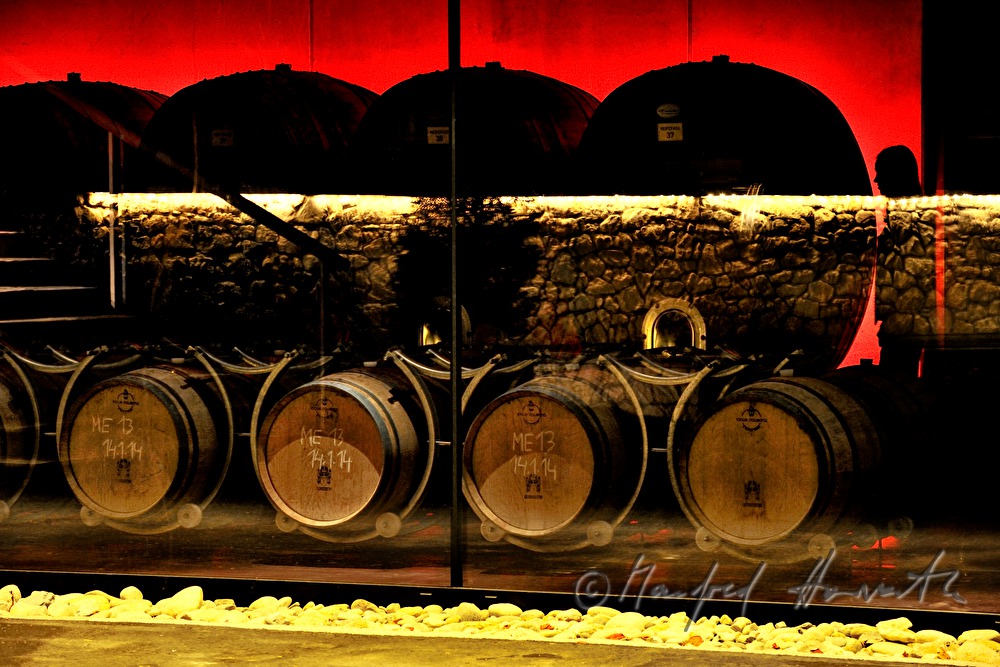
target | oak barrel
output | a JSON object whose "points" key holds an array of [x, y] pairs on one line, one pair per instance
{"points": [[558, 457], [344, 449], [776, 459], [145, 445], [911, 419]]}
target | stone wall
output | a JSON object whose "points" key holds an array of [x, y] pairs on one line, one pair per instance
{"points": [[766, 274], [921, 293]]}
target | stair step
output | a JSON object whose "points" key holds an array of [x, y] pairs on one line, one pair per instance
{"points": [[12, 243], [31, 301], [25, 271], [66, 319], [82, 332]]}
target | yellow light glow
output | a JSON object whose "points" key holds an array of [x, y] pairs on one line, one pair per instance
{"points": [[772, 202], [276, 203], [389, 207], [936, 201]]}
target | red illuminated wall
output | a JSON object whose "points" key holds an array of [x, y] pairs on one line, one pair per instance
{"points": [[865, 55]]}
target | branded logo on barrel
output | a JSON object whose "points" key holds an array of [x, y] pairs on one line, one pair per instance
{"points": [[125, 401], [668, 110], [531, 413], [750, 419], [751, 494], [324, 478], [325, 409], [533, 482], [124, 470]]}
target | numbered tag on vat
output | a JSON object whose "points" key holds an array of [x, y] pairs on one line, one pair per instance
{"points": [[670, 131]]}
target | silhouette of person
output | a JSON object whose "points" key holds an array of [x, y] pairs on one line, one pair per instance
{"points": [[896, 173]]}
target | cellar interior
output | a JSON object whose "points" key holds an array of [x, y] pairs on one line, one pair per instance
{"points": [[279, 333], [594, 466]]}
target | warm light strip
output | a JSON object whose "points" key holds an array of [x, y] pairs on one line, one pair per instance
{"points": [[857, 202], [145, 201], [395, 205], [613, 201], [936, 201]]}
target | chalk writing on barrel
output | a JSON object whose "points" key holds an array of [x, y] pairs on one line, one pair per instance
{"points": [[336, 457], [526, 443], [118, 445]]}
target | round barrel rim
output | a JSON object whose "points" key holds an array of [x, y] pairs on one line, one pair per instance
{"points": [[684, 94], [198, 452], [836, 487], [397, 439], [75, 118], [596, 500], [301, 120], [212, 462], [172, 407], [19, 443], [519, 115]]}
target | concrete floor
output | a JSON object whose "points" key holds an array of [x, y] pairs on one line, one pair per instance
{"points": [[105, 644]]}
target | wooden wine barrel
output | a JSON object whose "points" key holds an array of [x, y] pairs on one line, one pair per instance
{"points": [[145, 447], [559, 456], [778, 459], [345, 450], [912, 417], [18, 439]]}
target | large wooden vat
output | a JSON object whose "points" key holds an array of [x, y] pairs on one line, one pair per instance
{"points": [[518, 134], [260, 131], [347, 453], [71, 137], [146, 450], [558, 461], [720, 127]]}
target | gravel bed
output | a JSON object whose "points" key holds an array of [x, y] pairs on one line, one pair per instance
{"points": [[893, 639]]}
